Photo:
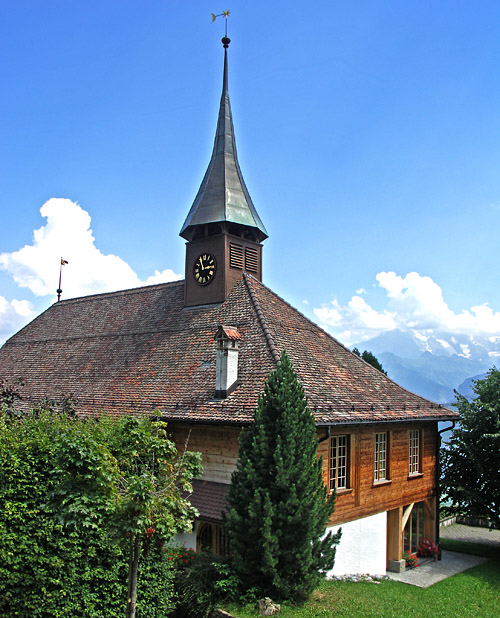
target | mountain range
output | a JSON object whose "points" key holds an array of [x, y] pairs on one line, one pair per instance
{"points": [[435, 364]]}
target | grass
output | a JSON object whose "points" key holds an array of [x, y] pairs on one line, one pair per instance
{"points": [[477, 549], [475, 593]]}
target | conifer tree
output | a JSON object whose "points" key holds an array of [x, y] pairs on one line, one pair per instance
{"points": [[278, 503]]}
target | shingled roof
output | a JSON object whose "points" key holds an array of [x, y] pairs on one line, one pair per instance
{"points": [[134, 351]]}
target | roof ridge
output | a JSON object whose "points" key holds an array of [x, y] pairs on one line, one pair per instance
{"points": [[117, 292], [262, 320]]}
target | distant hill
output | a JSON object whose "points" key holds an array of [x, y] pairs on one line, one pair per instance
{"points": [[434, 366], [465, 388]]}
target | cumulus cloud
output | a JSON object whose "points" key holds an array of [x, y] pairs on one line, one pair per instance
{"points": [[13, 315], [67, 233], [413, 302]]}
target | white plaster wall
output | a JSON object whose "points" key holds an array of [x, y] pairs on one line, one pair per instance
{"points": [[187, 539], [362, 548]]}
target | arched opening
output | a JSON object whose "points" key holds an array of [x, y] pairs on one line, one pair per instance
{"points": [[213, 538]]}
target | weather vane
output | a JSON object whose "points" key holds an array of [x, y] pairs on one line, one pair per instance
{"points": [[59, 291], [225, 15]]}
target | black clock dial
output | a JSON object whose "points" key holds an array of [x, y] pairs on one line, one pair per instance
{"points": [[204, 268]]}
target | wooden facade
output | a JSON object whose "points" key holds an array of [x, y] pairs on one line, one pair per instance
{"points": [[218, 445], [401, 494], [365, 496]]}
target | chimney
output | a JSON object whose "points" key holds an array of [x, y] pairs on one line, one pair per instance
{"points": [[228, 342]]}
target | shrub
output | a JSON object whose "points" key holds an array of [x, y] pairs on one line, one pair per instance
{"points": [[202, 582], [427, 548], [411, 561], [58, 557]]}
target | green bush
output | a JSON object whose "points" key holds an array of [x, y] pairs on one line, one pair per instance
{"points": [[202, 582], [50, 568]]}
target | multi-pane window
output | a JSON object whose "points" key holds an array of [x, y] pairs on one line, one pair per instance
{"points": [[415, 528], [339, 462], [212, 538], [414, 452], [380, 471]]}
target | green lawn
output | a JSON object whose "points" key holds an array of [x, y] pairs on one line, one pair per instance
{"points": [[472, 594]]}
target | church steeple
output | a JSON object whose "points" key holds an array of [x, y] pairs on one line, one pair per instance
{"points": [[223, 229], [223, 195]]}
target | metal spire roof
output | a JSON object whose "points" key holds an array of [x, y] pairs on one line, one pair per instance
{"points": [[223, 195]]}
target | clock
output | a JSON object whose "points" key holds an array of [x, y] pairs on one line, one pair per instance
{"points": [[204, 268]]}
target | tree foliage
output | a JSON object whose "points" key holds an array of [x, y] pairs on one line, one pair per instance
{"points": [[279, 505], [70, 490], [370, 358], [471, 459]]}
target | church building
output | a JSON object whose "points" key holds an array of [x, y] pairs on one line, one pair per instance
{"points": [[197, 353]]}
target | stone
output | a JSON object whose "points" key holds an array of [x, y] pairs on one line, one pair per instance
{"points": [[268, 608], [396, 566]]}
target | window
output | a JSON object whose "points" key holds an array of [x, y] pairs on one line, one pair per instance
{"points": [[380, 468], [339, 462], [212, 537], [414, 529], [414, 452]]}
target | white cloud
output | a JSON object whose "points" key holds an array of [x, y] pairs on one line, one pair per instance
{"points": [[356, 317], [68, 234], [13, 315], [413, 302]]}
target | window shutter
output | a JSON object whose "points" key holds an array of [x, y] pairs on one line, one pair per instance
{"points": [[251, 259], [235, 255]]}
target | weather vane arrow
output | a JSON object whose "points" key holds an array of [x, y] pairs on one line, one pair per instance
{"points": [[225, 14]]}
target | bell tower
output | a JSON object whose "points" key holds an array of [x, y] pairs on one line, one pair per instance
{"points": [[223, 231]]}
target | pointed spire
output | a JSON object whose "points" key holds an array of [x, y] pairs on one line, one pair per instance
{"points": [[223, 196]]}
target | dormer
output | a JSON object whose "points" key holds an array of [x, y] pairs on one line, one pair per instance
{"points": [[226, 367]]}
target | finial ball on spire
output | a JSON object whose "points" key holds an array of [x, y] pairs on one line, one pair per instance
{"points": [[225, 41]]}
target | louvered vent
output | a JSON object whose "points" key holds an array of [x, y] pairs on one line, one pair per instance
{"points": [[235, 255], [251, 259]]}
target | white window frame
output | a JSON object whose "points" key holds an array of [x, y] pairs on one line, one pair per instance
{"points": [[339, 462], [381, 458], [414, 445]]}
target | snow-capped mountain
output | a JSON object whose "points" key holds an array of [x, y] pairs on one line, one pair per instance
{"points": [[434, 364]]}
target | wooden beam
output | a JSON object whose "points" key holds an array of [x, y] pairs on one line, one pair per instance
{"points": [[394, 536], [428, 509], [406, 515]]}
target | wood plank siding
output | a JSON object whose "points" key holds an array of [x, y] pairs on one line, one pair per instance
{"points": [[364, 496], [217, 443]]}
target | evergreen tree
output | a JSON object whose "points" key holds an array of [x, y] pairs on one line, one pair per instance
{"points": [[371, 359], [278, 503], [471, 460]]}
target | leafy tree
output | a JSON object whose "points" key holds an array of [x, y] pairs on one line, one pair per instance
{"points": [[73, 495], [150, 506], [471, 459], [371, 359], [278, 503]]}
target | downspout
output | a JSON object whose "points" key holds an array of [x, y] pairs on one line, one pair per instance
{"points": [[325, 437]]}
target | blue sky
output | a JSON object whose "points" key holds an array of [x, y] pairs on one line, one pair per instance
{"points": [[367, 132]]}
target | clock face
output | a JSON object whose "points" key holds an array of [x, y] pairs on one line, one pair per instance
{"points": [[204, 268]]}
